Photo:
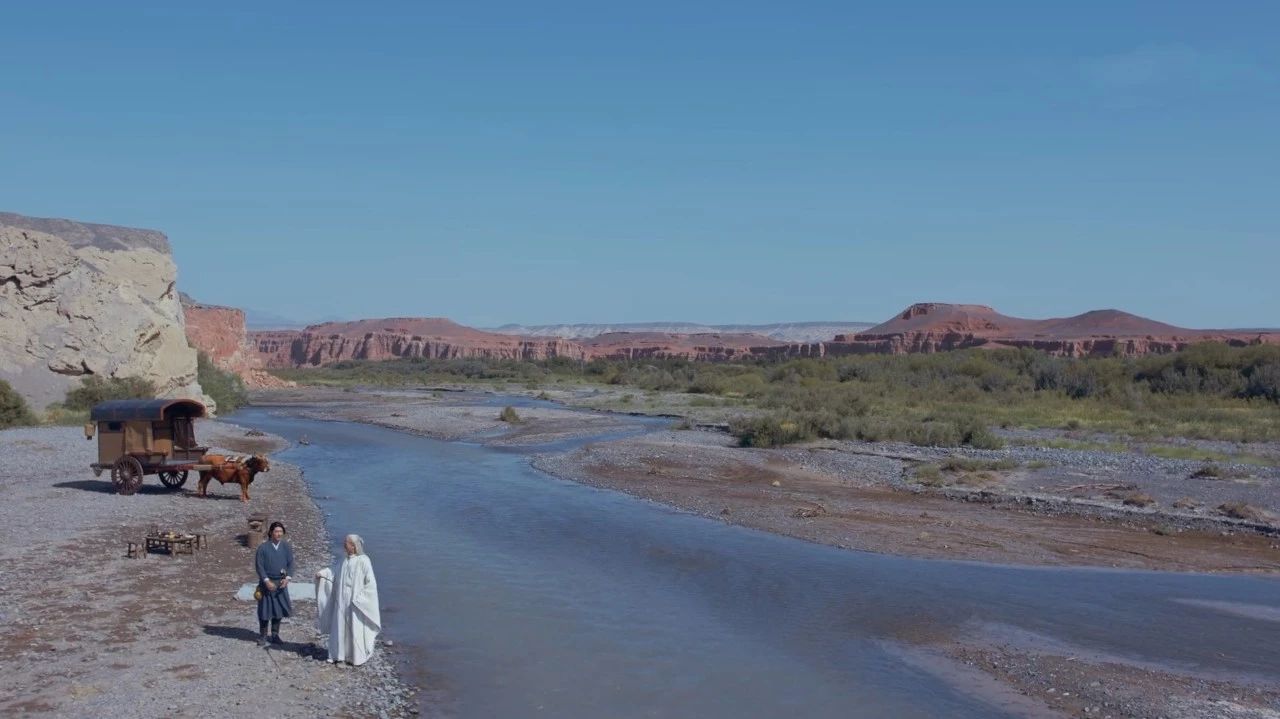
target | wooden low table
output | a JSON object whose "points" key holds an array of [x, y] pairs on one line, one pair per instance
{"points": [[182, 544]]}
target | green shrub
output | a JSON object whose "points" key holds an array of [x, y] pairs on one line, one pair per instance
{"points": [[225, 388], [929, 475], [770, 430], [976, 434], [14, 411], [964, 464], [94, 390], [508, 414]]}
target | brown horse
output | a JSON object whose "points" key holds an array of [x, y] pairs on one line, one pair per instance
{"points": [[233, 469]]}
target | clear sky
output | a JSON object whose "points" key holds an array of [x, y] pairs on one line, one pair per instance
{"points": [[705, 161]]}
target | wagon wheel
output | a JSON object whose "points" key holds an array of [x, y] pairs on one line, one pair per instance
{"points": [[172, 479], [126, 475]]}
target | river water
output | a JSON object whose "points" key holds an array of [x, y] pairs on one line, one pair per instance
{"points": [[525, 595]]}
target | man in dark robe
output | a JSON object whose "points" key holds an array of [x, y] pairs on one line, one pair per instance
{"points": [[274, 564]]}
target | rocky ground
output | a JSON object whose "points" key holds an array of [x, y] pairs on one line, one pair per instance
{"points": [[85, 631], [868, 498]]}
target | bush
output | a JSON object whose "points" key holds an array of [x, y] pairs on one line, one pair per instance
{"points": [[95, 390], [13, 408], [964, 464], [226, 388], [929, 475], [769, 430], [1138, 499], [1263, 380], [976, 434], [508, 414]]}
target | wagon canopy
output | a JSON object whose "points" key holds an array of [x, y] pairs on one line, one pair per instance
{"points": [[154, 410]]}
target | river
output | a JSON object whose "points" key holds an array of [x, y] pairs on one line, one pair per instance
{"points": [[525, 595]]}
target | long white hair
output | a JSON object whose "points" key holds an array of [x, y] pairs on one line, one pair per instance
{"points": [[357, 542]]}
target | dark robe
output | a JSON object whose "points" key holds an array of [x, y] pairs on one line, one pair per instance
{"points": [[274, 563]]}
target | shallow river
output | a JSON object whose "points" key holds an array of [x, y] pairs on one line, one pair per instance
{"points": [[524, 595]]}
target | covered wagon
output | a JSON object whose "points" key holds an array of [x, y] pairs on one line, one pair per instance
{"points": [[137, 437]]}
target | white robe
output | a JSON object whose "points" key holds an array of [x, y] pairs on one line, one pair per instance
{"points": [[348, 610]]}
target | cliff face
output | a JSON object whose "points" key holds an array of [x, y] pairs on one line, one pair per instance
{"points": [[220, 333], [80, 299], [400, 337], [703, 347], [274, 348]]}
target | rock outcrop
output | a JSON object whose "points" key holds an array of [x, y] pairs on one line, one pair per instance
{"points": [[394, 337], [80, 299], [220, 333]]}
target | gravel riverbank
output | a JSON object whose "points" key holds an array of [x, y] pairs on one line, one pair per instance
{"points": [[85, 631]]}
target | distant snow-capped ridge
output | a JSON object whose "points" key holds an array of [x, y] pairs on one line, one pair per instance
{"points": [[782, 331]]}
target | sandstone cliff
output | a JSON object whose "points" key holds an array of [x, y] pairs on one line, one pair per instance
{"points": [[80, 299], [701, 347], [400, 337], [220, 333]]}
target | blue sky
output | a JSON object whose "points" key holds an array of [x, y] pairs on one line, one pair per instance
{"points": [[714, 162]]}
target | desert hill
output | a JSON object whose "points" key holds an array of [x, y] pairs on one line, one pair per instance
{"points": [[937, 327]]}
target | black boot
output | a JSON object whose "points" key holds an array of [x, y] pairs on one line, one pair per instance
{"points": [[275, 632]]}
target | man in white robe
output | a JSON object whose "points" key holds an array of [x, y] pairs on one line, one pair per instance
{"points": [[348, 606]]}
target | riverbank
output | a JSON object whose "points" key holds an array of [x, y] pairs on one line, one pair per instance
{"points": [[86, 631]]}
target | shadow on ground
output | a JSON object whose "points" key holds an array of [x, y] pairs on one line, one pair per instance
{"points": [[245, 634], [105, 487]]}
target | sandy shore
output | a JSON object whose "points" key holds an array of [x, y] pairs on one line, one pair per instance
{"points": [[85, 631]]}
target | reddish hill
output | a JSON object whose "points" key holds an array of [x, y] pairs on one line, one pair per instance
{"points": [[938, 327]]}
